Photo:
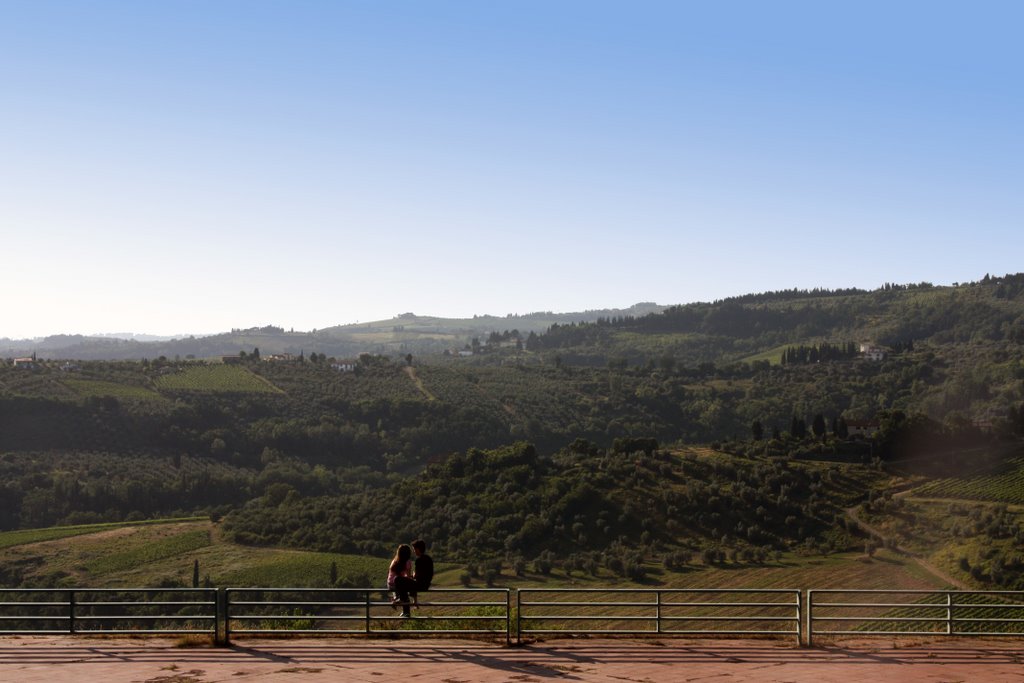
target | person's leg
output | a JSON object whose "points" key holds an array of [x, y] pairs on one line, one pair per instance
{"points": [[403, 587]]}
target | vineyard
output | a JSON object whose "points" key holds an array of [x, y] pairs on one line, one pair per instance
{"points": [[1006, 486], [10, 539], [215, 379], [155, 551], [305, 569], [92, 387]]}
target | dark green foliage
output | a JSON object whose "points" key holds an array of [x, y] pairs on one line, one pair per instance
{"points": [[512, 502]]}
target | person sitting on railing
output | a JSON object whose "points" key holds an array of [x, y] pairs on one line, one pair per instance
{"points": [[424, 566], [400, 579]]}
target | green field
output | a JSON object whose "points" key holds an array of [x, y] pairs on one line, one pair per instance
{"points": [[1006, 486], [165, 548], [115, 555], [95, 387], [215, 379], [288, 568], [773, 355], [9, 539]]}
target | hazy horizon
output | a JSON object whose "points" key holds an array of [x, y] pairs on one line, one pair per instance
{"points": [[202, 166]]}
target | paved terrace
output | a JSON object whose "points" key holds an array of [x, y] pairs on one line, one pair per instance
{"points": [[53, 659]]}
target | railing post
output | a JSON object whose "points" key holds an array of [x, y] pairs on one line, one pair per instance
{"points": [[71, 611], [949, 613], [809, 628], [220, 629], [508, 616], [657, 612], [367, 625], [227, 616], [519, 616], [799, 618]]}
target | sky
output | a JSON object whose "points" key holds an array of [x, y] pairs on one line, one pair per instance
{"points": [[190, 166]]}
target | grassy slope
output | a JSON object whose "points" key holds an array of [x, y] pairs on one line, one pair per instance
{"points": [[148, 555]]}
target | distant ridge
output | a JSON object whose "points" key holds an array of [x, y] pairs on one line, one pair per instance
{"points": [[405, 333]]}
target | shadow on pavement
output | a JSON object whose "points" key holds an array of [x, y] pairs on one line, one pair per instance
{"points": [[557, 658]]}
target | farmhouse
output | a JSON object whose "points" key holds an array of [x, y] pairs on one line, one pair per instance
{"points": [[861, 428], [871, 351], [25, 362]]}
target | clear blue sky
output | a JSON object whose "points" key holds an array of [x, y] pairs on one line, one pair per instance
{"points": [[192, 166]]}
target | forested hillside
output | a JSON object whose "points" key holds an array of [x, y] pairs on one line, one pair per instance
{"points": [[346, 454]]}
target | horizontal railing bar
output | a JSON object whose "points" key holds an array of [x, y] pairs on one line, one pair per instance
{"points": [[81, 619], [1003, 605], [693, 632], [468, 631], [359, 604], [358, 631], [37, 617], [882, 633], [298, 617], [118, 603], [577, 617], [915, 605], [34, 604], [115, 590], [937, 620], [1006, 620], [659, 590], [596, 617], [475, 591], [910, 591], [729, 604], [241, 631], [736, 618], [363, 618], [589, 604], [136, 631]]}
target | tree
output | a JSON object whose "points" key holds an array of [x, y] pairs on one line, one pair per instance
{"points": [[195, 573], [256, 353], [818, 426], [408, 359], [757, 430]]}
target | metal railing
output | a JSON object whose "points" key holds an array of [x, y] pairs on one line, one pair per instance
{"points": [[226, 612], [109, 611], [914, 613], [675, 611], [365, 611]]}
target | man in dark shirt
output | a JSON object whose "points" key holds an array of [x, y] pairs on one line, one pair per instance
{"points": [[423, 570]]}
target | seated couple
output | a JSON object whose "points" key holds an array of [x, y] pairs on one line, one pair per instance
{"points": [[407, 580]]}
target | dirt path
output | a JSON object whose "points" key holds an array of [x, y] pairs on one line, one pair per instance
{"points": [[854, 514], [411, 371]]}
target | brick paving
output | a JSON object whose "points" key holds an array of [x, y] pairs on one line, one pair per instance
{"points": [[54, 659]]}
